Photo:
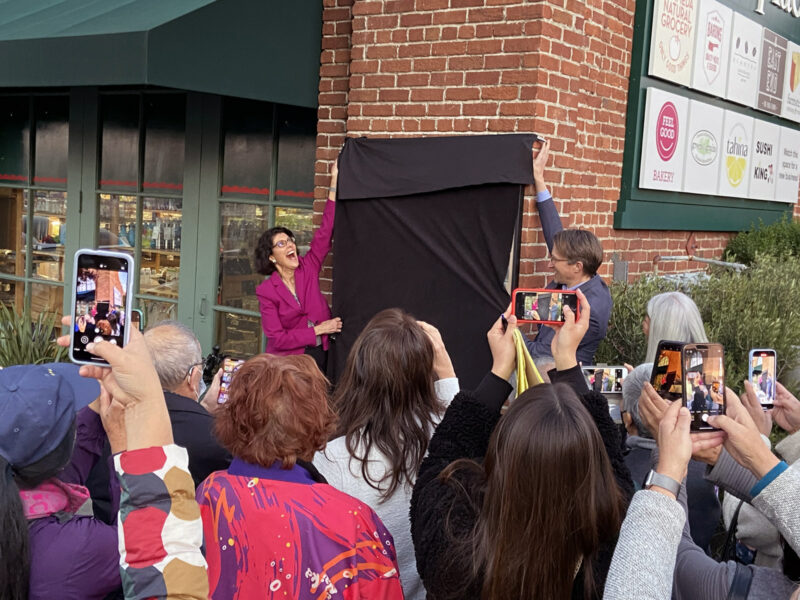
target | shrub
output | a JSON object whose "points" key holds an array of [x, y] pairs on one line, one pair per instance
{"points": [[780, 239], [757, 308], [24, 340]]}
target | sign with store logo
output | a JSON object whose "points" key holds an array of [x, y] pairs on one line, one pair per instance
{"points": [[788, 178], [712, 45], [764, 163], [745, 61], [773, 68], [703, 138], [672, 40], [737, 137], [791, 85], [664, 142]]}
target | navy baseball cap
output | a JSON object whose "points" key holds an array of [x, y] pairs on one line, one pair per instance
{"points": [[37, 408]]}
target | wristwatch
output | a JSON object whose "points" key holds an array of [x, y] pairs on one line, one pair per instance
{"points": [[662, 481]]}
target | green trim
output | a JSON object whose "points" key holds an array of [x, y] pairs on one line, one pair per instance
{"points": [[153, 298], [236, 311], [651, 209]]}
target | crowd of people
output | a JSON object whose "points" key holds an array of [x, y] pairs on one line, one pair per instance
{"points": [[397, 483]]}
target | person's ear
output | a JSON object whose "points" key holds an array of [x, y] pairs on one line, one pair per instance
{"points": [[194, 378]]}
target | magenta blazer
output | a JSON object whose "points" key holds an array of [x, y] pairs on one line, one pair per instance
{"points": [[285, 322]]}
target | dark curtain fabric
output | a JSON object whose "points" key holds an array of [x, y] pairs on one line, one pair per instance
{"points": [[427, 225]]}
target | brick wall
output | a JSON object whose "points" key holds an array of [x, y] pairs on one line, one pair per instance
{"points": [[445, 67]]}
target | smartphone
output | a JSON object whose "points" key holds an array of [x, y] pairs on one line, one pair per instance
{"points": [[229, 368], [667, 374], [101, 302], [543, 306], [703, 383], [137, 318], [762, 373], [606, 380]]}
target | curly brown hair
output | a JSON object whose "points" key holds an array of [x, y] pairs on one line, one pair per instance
{"points": [[277, 409]]}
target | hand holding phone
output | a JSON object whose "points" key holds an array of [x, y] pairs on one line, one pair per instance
{"points": [[761, 373], [102, 293], [229, 368]]}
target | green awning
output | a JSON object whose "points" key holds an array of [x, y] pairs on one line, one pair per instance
{"points": [[259, 49]]}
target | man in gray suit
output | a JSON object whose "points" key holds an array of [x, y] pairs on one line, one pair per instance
{"points": [[575, 257]]}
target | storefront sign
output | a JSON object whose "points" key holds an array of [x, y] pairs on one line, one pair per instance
{"points": [[712, 46], [764, 164], [773, 68], [703, 135], [788, 179], [790, 7], [791, 86], [672, 41], [737, 137], [745, 60], [664, 141]]}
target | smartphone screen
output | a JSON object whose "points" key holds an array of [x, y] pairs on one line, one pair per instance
{"points": [[229, 368], [101, 292], [606, 380], [543, 306], [667, 375], [762, 375], [704, 382]]}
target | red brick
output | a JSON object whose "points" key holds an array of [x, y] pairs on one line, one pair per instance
{"points": [[415, 50], [415, 19], [427, 95], [394, 95], [413, 79], [447, 78], [445, 17], [480, 109], [462, 94], [482, 78], [484, 46]]}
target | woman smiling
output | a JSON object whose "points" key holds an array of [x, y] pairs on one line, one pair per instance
{"points": [[294, 315]]}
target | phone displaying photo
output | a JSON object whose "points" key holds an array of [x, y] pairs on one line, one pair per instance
{"points": [[667, 374], [101, 298], [606, 380], [704, 382], [543, 306], [762, 374], [229, 368]]}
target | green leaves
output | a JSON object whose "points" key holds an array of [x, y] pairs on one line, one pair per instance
{"points": [[25, 340], [781, 239]]}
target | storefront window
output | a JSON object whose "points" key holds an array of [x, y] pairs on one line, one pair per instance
{"points": [[120, 142], [239, 335], [147, 221], [33, 206], [14, 139], [165, 124], [300, 221], [297, 148], [49, 229], [161, 247], [240, 227], [52, 129], [247, 157]]}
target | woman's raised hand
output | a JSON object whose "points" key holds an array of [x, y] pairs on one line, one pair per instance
{"points": [[743, 441], [501, 344], [786, 411], [442, 365], [569, 335]]}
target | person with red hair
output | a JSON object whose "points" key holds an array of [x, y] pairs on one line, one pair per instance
{"points": [[270, 521]]}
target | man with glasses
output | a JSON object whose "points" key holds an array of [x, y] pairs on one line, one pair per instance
{"points": [[575, 257], [178, 359]]}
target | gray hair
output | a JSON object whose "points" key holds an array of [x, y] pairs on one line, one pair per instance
{"points": [[174, 349], [632, 387], [675, 317]]}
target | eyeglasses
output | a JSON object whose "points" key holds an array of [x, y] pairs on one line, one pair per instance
{"points": [[282, 243], [191, 368], [555, 260]]}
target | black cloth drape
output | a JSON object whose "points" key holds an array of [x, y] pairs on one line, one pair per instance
{"points": [[426, 224]]}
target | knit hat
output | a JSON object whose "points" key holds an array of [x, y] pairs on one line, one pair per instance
{"points": [[37, 408]]}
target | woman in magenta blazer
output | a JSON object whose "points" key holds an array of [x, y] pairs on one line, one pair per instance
{"points": [[294, 314]]}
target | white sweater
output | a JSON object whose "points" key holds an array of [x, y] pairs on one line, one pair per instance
{"points": [[335, 465]]}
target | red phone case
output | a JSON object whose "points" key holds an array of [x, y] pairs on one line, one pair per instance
{"points": [[542, 291]]}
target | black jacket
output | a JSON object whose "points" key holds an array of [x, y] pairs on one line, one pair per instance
{"points": [[193, 428], [464, 433]]}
